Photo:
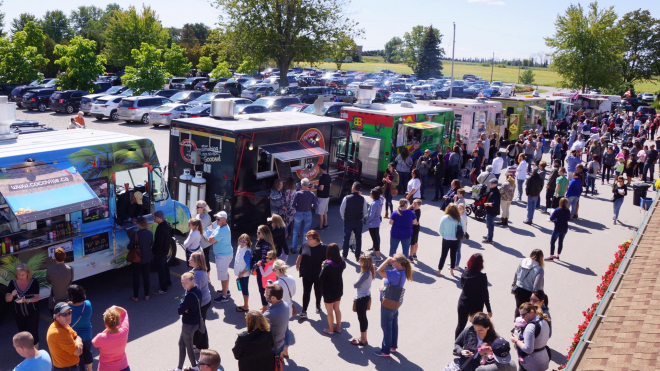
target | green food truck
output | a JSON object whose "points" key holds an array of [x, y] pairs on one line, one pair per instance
{"points": [[521, 114]]}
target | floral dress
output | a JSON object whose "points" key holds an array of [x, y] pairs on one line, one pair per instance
{"points": [[288, 203]]}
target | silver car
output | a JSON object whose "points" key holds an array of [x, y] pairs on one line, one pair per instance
{"points": [[164, 114], [136, 109]]}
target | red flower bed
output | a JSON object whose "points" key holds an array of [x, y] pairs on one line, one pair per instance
{"points": [[600, 292]]}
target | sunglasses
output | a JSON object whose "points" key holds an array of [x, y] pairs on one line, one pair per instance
{"points": [[67, 314], [199, 363], [200, 207], [258, 232], [242, 241], [523, 314]]}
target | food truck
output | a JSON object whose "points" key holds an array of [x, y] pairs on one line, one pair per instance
{"points": [[521, 114], [381, 131], [474, 117], [236, 160], [589, 103], [72, 189]]}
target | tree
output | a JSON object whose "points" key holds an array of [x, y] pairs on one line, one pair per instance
{"points": [[56, 25], [2, 22], [249, 66], [412, 44], [527, 77], [82, 17], [176, 63], [205, 64], [221, 70], [641, 56], [17, 24], [189, 41], [588, 48], [128, 30], [429, 64], [201, 31], [341, 49], [392, 52], [34, 36], [80, 63], [224, 45], [20, 63], [286, 31], [148, 73]]}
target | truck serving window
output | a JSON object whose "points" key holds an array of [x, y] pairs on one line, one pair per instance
{"points": [[264, 165]]}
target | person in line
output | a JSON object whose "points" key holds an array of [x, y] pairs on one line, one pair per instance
{"points": [[528, 278], [529, 343], [620, 190], [189, 310], [521, 175], [278, 230], [203, 211], [414, 239], [560, 216], [593, 168], [333, 287], [467, 343], [362, 300], [439, 176], [198, 265], [498, 165], [454, 163], [506, 197], [512, 153], [404, 164], [447, 229], [353, 210], [304, 202], [288, 285], [561, 187], [23, 290], [254, 346], [81, 319], [323, 196], [649, 165], [289, 196], [402, 221], [219, 235], [143, 240], [540, 298], [64, 344], [60, 276], [530, 147], [573, 193], [35, 359], [423, 167], [492, 210], [242, 269], [192, 243], [414, 185], [464, 219], [389, 318], [309, 263], [277, 315], [161, 247], [533, 189], [391, 183], [374, 219], [475, 167], [112, 341], [209, 360], [474, 294], [551, 185], [277, 202], [572, 161], [264, 246], [486, 176]]}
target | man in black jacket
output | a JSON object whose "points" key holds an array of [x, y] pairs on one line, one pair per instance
{"points": [[353, 210], [550, 186], [161, 247], [533, 189], [492, 209]]}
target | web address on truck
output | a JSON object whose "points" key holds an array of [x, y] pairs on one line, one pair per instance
{"points": [[40, 183]]}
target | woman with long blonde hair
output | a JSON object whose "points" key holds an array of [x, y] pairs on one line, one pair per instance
{"points": [[198, 265], [23, 290], [389, 318], [278, 230], [193, 242], [362, 300], [254, 346]]}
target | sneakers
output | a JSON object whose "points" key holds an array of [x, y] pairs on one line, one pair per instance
{"points": [[528, 222], [160, 292], [380, 354], [614, 221], [302, 315], [318, 310], [486, 240], [219, 292], [549, 258], [221, 299]]}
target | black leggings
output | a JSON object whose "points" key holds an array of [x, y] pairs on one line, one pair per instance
{"points": [[29, 323], [307, 291], [463, 314], [141, 269], [522, 296], [361, 309], [207, 251], [262, 289], [375, 238], [607, 169], [448, 246]]}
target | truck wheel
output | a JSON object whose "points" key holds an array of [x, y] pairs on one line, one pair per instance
{"points": [[114, 116], [171, 255], [69, 109], [145, 118]]}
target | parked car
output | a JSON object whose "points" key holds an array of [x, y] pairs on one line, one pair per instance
{"points": [[66, 101], [401, 95], [37, 99], [167, 93], [631, 104], [310, 94], [189, 83], [240, 100], [287, 90], [422, 91], [296, 107], [490, 92], [87, 100], [398, 87], [644, 113], [186, 96], [398, 100], [497, 83], [276, 104], [164, 114], [106, 106], [136, 109], [330, 109], [230, 86], [102, 86], [176, 83], [345, 95], [41, 82], [271, 82], [208, 97], [269, 71], [203, 110], [458, 92], [6, 89], [255, 91], [647, 97], [247, 109], [469, 75], [207, 86], [16, 95]]}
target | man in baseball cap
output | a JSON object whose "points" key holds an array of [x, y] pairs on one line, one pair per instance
{"points": [[64, 343], [501, 351], [222, 249]]}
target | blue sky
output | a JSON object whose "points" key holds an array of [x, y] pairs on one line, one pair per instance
{"points": [[510, 28]]}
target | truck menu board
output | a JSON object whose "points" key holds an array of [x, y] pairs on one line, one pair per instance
{"points": [[96, 243], [283, 170], [100, 188]]}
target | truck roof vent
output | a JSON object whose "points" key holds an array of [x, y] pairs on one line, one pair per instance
{"points": [[222, 109], [257, 118], [481, 99], [378, 106], [407, 104], [7, 117], [364, 96]]}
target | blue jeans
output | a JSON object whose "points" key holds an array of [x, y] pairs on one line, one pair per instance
{"points": [[404, 177], [388, 202], [557, 235], [425, 180], [591, 182], [617, 206], [354, 226], [301, 219], [405, 245], [520, 182], [439, 190], [529, 160], [490, 224], [648, 167], [389, 322], [458, 255], [572, 202], [531, 206]]}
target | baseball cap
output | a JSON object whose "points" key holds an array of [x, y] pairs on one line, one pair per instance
{"points": [[501, 350], [60, 308], [159, 214], [221, 214], [323, 167], [493, 180]]}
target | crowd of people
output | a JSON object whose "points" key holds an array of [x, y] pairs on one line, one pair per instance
{"points": [[518, 173]]}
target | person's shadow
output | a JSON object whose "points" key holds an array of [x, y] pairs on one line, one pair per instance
{"points": [[508, 250], [586, 271], [520, 231]]}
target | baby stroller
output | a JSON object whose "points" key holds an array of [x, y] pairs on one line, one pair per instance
{"points": [[480, 195]]}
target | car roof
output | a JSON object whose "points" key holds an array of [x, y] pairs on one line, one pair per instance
{"points": [[174, 105], [109, 97], [140, 97]]}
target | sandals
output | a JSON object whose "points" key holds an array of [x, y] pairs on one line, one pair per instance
{"points": [[356, 341], [329, 333], [337, 331], [134, 299], [147, 297], [241, 309]]}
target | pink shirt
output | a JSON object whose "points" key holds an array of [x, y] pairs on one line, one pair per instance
{"points": [[113, 347]]}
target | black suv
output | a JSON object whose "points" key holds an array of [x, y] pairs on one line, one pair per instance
{"points": [[6, 89], [310, 94], [37, 99], [207, 86], [231, 86], [189, 83], [631, 104], [17, 94], [66, 101], [645, 113]]}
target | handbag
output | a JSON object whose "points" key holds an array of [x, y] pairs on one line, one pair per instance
{"points": [[514, 286], [368, 304], [460, 235], [393, 296], [134, 255], [202, 323], [393, 191], [293, 307]]}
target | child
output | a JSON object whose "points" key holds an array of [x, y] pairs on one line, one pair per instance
{"points": [[460, 197], [464, 218], [268, 274], [242, 264], [518, 328], [489, 358], [618, 168], [416, 208]]}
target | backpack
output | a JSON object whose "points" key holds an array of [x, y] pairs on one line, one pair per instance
{"points": [[478, 191], [537, 332]]}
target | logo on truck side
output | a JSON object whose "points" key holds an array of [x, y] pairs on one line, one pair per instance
{"points": [[309, 139]]}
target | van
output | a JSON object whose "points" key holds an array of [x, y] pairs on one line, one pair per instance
{"points": [[136, 109]]}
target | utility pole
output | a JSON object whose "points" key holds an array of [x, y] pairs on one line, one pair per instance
{"points": [[451, 83], [492, 66], [518, 73]]}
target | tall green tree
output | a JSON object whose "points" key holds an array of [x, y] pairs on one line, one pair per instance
{"points": [[80, 63], [201, 32], [148, 73], [176, 63], [527, 77], [82, 17], [393, 50], [56, 25], [189, 41], [205, 64], [20, 63], [286, 31], [248, 66], [412, 44], [641, 56], [17, 24], [429, 64], [588, 47], [2, 22], [128, 30], [224, 45], [34, 36], [221, 70], [342, 48]]}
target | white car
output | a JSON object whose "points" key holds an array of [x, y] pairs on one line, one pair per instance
{"points": [[271, 82], [647, 97], [106, 106], [496, 83], [254, 92], [423, 91], [403, 95]]}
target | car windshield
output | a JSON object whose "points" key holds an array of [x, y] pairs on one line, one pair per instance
{"points": [[206, 97], [113, 89], [264, 102], [291, 108], [163, 108], [189, 80], [310, 109], [180, 95]]}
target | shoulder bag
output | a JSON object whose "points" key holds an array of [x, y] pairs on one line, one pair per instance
{"points": [[81, 313], [293, 307], [393, 296], [134, 255], [202, 323], [515, 287], [460, 235]]}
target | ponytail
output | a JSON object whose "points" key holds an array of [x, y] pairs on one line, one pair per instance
{"points": [[405, 263]]}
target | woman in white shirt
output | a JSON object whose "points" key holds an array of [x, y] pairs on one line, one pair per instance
{"points": [[289, 287], [192, 242], [414, 185], [521, 175], [203, 211]]}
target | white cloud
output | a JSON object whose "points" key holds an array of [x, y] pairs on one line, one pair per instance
{"points": [[489, 2]]}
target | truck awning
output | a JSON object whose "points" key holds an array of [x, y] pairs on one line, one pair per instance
{"points": [[293, 151], [537, 108], [43, 191], [423, 125]]}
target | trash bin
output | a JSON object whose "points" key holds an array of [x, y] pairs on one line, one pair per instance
{"points": [[645, 203], [639, 191]]}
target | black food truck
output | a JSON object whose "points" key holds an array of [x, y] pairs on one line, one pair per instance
{"points": [[232, 162]]}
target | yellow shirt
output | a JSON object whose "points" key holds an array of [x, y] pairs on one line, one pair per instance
{"points": [[61, 345]]}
